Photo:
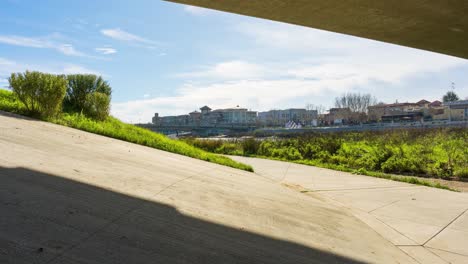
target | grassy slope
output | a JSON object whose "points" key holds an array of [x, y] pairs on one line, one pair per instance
{"points": [[114, 128]]}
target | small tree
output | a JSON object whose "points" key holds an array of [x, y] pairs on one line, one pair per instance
{"points": [[80, 86], [41, 93], [450, 96]]}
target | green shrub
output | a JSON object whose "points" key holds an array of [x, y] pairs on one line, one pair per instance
{"points": [[422, 152], [462, 173], [229, 149], [265, 148], [10, 103], [80, 86], [208, 145], [97, 106], [250, 146], [41, 93]]}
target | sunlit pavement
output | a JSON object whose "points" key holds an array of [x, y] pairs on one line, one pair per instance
{"points": [[431, 225], [68, 196]]}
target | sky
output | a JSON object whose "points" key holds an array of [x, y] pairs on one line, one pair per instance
{"points": [[173, 59]]}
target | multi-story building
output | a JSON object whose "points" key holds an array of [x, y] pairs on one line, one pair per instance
{"points": [[402, 111], [453, 111], [208, 117], [419, 111], [281, 117]]}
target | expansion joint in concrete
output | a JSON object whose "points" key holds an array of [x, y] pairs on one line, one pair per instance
{"points": [[440, 231]]}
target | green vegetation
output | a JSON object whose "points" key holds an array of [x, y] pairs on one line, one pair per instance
{"points": [[90, 114], [97, 106], [450, 96], [114, 128], [41, 93], [438, 153], [89, 94]]}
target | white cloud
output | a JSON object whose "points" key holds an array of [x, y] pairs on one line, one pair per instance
{"points": [[118, 34], [255, 94], [77, 69], [69, 50], [24, 42], [42, 43], [299, 39], [195, 10], [306, 66], [106, 50], [5, 62], [228, 70], [292, 84], [8, 66]]}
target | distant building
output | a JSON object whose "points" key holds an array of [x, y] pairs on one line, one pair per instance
{"points": [[422, 110], [208, 117], [456, 111], [342, 116], [279, 118], [403, 111]]}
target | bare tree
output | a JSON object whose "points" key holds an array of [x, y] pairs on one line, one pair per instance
{"points": [[356, 102], [319, 108]]}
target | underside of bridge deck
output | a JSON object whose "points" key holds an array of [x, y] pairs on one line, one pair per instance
{"points": [[434, 25]]}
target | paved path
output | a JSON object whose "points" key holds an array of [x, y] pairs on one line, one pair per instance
{"points": [[68, 196], [429, 224]]}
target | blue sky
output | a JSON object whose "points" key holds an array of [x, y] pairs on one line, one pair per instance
{"points": [[172, 59]]}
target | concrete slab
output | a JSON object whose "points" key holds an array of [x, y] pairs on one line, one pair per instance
{"points": [[450, 237], [73, 197], [450, 257], [423, 255], [406, 215], [370, 200]]}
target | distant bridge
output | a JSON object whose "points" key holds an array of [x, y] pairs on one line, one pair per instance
{"points": [[226, 129]]}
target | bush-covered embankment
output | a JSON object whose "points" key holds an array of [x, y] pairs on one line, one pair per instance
{"points": [[436, 153], [83, 102]]}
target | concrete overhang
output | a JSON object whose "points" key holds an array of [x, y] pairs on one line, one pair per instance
{"points": [[434, 25]]}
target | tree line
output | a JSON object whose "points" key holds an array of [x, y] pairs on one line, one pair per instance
{"points": [[359, 103], [46, 95]]}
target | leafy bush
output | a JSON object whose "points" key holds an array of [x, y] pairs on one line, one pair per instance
{"points": [[426, 152], [41, 93], [80, 86], [250, 146], [97, 106], [10, 103], [462, 173]]}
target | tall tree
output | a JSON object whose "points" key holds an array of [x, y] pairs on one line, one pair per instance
{"points": [[450, 96], [356, 102]]}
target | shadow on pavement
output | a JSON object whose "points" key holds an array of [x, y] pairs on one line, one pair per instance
{"points": [[49, 219]]}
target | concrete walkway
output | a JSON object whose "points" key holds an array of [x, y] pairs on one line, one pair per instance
{"points": [[431, 225], [67, 196]]}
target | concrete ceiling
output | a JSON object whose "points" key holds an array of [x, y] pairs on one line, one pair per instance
{"points": [[435, 25]]}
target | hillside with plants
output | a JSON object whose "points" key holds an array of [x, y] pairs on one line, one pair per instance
{"points": [[436, 153], [83, 102]]}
